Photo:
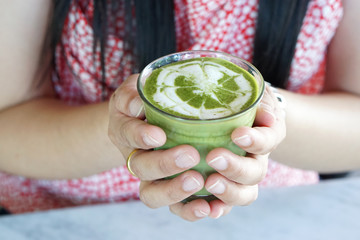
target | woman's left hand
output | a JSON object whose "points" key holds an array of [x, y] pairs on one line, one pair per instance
{"points": [[237, 177]]}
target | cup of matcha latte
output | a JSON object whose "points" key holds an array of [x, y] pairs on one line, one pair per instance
{"points": [[199, 98]]}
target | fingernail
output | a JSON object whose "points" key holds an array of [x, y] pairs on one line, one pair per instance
{"points": [[150, 141], [220, 213], [184, 161], [244, 141], [135, 107], [219, 163], [200, 214], [190, 184], [217, 188]]}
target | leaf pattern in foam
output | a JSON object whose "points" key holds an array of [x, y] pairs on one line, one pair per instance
{"points": [[201, 88]]}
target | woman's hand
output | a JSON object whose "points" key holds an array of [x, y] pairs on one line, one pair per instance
{"points": [[128, 131], [236, 182], [237, 178]]}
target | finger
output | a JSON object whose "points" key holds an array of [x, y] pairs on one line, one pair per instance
{"points": [[155, 194], [259, 140], [248, 170], [271, 109], [191, 211], [134, 133], [269, 127], [152, 165], [127, 100], [219, 209], [231, 193], [265, 115]]}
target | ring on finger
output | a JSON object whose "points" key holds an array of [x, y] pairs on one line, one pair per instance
{"points": [[281, 99], [128, 162]]}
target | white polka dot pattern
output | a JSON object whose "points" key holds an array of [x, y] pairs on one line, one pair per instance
{"points": [[319, 26], [222, 25]]}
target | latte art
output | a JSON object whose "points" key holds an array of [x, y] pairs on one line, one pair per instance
{"points": [[201, 88]]}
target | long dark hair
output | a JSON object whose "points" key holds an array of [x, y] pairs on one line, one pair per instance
{"points": [[277, 29]]}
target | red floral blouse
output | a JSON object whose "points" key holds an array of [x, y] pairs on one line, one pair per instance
{"points": [[223, 25]]}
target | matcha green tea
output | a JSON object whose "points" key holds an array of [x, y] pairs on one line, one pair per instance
{"points": [[199, 98], [201, 88]]}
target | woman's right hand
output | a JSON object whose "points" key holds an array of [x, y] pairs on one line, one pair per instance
{"points": [[129, 131]]}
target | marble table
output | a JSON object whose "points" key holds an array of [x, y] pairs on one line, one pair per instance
{"points": [[329, 210]]}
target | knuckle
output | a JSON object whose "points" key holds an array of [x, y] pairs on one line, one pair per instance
{"points": [[189, 218], [123, 132], [260, 170], [164, 167], [248, 195], [179, 210], [237, 172], [234, 198], [124, 127], [112, 100], [254, 193], [145, 199], [128, 92], [172, 210], [250, 199], [111, 135], [268, 143], [263, 171], [111, 131], [136, 169], [174, 195]]}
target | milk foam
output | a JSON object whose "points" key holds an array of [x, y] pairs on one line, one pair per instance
{"points": [[206, 78]]}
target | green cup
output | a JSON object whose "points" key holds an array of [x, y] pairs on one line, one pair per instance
{"points": [[203, 134]]}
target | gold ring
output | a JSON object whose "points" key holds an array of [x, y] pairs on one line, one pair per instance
{"points": [[128, 162]]}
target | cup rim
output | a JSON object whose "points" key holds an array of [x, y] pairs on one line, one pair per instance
{"points": [[228, 117]]}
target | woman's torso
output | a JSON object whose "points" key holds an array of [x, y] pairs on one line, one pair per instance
{"points": [[222, 25]]}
